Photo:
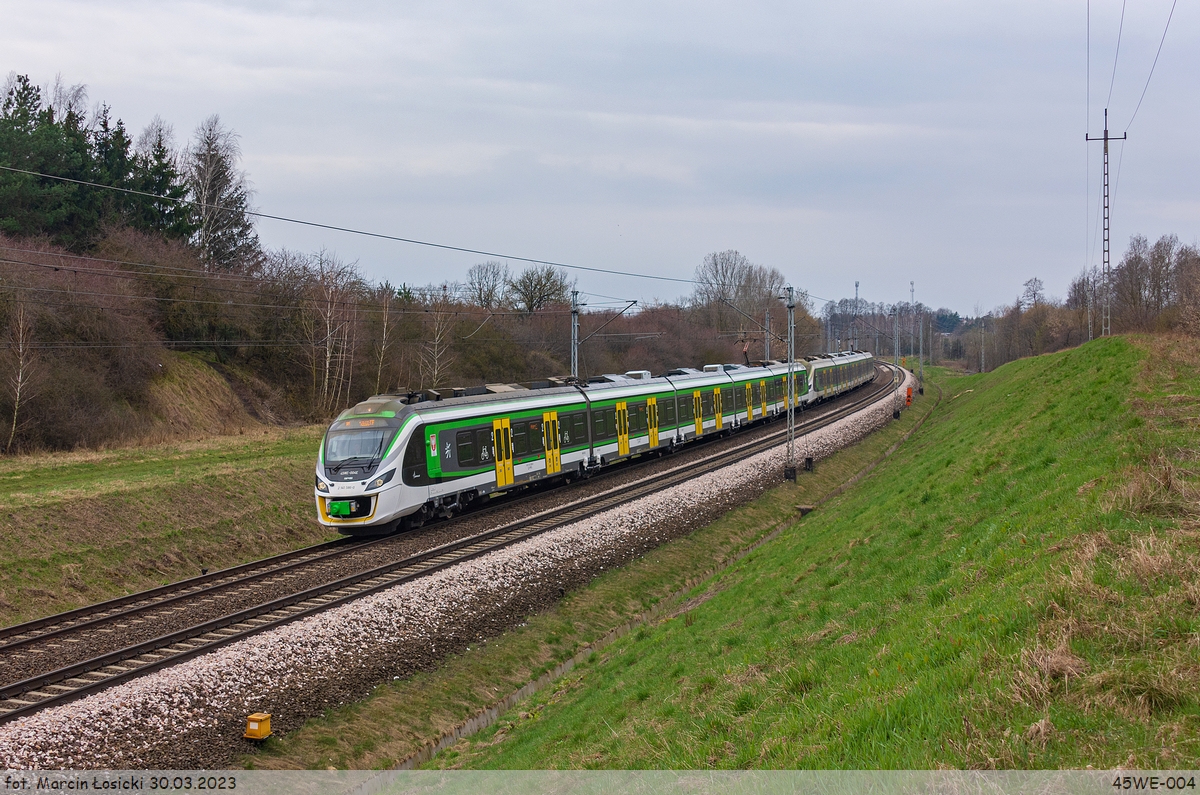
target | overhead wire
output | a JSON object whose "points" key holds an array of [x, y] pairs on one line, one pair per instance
{"points": [[1087, 156], [189, 273], [364, 233], [167, 343], [1147, 86], [358, 305], [378, 235], [1116, 55]]}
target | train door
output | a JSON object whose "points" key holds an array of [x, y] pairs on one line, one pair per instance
{"points": [[652, 419], [552, 444], [698, 412], [749, 403], [762, 397], [717, 407], [622, 428], [502, 441]]}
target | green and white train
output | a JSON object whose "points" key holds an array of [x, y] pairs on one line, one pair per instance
{"points": [[396, 461]]}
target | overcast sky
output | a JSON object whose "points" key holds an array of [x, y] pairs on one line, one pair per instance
{"points": [[938, 142]]}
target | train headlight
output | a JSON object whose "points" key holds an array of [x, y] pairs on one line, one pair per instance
{"points": [[322, 485], [382, 480]]}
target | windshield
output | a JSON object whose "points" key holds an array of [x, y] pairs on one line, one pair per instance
{"points": [[354, 447], [361, 445]]}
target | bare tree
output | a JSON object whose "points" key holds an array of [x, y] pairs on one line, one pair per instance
{"points": [[486, 282], [156, 133], [387, 297], [23, 359], [1160, 276], [719, 277], [734, 292], [1130, 285], [66, 100], [1034, 293], [436, 351], [327, 324], [1187, 279], [539, 286]]}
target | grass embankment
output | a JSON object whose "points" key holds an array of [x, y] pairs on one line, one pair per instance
{"points": [[400, 717], [82, 527], [1017, 589]]}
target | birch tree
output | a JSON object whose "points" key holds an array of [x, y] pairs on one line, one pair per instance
{"points": [[23, 364], [437, 355]]}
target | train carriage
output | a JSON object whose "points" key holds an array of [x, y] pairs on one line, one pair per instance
{"points": [[393, 459]]}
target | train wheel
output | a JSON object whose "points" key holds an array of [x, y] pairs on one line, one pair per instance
{"points": [[415, 519]]}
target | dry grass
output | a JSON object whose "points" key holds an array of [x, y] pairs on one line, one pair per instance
{"points": [[1129, 602], [1156, 487], [1039, 733]]}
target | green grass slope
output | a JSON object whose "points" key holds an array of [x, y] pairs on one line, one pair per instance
{"points": [[1017, 588], [82, 527]]}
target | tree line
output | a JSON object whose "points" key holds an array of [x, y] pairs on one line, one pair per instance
{"points": [[106, 295], [197, 194], [87, 337], [1154, 287]]}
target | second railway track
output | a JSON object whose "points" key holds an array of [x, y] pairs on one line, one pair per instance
{"points": [[41, 650]]}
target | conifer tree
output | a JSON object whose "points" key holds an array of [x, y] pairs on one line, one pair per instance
{"points": [[224, 230]]}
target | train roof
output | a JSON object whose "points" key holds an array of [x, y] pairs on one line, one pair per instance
{"points": [[553, 391]]}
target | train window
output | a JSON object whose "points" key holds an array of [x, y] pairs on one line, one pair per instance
{"points": [[464, 443], [483, 443], [757, 393], [686, 413], [573, 429], [667, 407], [706, 403], [739, 398], [604, 424], [520, 437], [535, 436], [727, 398], [639, 423]]}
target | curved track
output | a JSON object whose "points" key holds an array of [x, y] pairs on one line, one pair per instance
{"points": [[51, 654]]}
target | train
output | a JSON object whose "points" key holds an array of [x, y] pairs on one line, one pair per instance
{"points": [[395, 461]]}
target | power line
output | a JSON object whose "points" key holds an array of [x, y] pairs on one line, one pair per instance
{"points": [[1160, 46], [378, 235], [168, 343], [1116, 55], [364, 233], [357, 305], [190, 273]]}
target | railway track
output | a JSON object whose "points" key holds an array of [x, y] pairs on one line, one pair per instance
{"points": [[50, 639]]}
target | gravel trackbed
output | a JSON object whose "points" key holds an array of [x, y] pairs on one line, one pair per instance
{"points": [[192, 715]]}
